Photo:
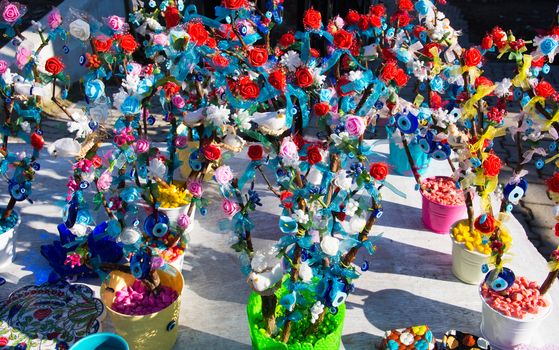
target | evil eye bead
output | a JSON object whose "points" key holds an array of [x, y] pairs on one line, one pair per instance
{"points": [[84, 185], [39, 132], [171, 325], [339, 299], [81, 60], [151, 120], [552, 146], [66, 49], [425, 145], [193, 161], [379, 105], [304, 256], [36, 166], [136, 223], [514, 192], [18, 192], [333, 310], [539, 164], [509, 208], [442, 152], [160, 229], [151, 223], [203, 211], [377, 213], [152, 3], [140, 264], [546, 68], [484, 268], [243, 30], [407, 124], [499, 284], [365, 266]]}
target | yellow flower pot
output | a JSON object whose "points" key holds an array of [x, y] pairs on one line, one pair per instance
{"points": [[158, 330]]}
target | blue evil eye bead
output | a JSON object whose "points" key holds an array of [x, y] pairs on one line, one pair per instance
{"points": [[93, 125], [243, 30], [136, 223], [552, 146], [160, 229], [546, 69], [304, 256], [468, 124], [65, 49], [64, 94], [339, 299], [81, 60], [151, 222], [407, 124], [503, 281], [539, 164], [333, 310], [499, 284], [39, 132], [509, 208], [171, 325], [426, 142], [36, 166], [152, 3], [484, 268], [193, 161], [151, 120], [441, 152], [377, 213], [203, 211], [365, 266], [268, 14], [84, 185], [140, 265], [422, 87], [514, 192], [379, 105], [18, 192]]}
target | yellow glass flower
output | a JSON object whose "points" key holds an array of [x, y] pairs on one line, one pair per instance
{"points": [[172, 196], [474, 242]]}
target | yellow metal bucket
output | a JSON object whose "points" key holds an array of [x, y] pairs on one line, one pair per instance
{"points": [[154, 331]]}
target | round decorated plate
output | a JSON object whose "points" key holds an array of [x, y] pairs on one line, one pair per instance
{"points": [[51, 316]]}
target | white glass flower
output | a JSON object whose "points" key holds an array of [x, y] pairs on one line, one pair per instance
{"points": [[80, 29], [157, 168]]}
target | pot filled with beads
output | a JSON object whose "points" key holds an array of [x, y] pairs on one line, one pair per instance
{"points": [[442, 203]]}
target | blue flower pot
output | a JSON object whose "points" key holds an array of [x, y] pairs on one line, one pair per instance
{"points": [[399, 161], [101, 341]]}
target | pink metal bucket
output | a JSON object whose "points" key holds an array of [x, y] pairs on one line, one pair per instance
{"points": [[439, 218]]}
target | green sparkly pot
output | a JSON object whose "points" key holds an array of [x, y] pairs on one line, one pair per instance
{"points": [[263, 342]]}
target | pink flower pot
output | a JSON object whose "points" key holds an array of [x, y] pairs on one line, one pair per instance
{"points": [[439, 218]]}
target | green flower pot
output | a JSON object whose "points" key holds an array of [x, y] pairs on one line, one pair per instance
{"points": [[262, 341]]}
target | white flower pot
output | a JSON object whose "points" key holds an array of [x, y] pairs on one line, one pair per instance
{"points": [[8, 244], [505, 332], [172, 213], [466, 264]]}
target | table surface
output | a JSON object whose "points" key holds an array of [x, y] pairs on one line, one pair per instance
{"points": [[410, 281]]}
